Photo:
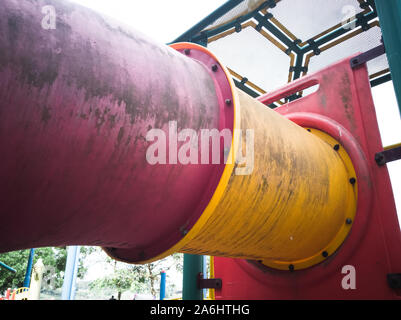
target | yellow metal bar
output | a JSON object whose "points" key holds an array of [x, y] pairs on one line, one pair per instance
{"points": [[348, 36], [272, 40], [230, 31], [249, 83], [338, 41], [211, 291], [307, 61], [283, 29], [397, 145], [380, 73], [325, 32], [251, 6], [292, 62]]}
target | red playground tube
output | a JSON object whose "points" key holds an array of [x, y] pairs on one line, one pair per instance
{"points": [[76, 104]]}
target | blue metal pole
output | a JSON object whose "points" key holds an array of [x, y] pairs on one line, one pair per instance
{"points": [[71, 270], [27, 280], [74, 276], [204, 275], [3, 265], [162, 285]]}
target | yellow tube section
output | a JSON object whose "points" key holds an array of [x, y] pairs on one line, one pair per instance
{"points": [[294, 208]]}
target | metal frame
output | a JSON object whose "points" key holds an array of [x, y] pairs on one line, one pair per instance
{"points": [[299, 51]]}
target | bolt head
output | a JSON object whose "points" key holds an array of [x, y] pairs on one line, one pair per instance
{"points": [[215, 67], [325, 254], [379, 158], [291, 267], [348, 221], [187, 51], [352, 180], [336, 147]]}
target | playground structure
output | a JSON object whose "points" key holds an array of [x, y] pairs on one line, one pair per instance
{"points": [[16, 294], [314, 196], [31, 287]]}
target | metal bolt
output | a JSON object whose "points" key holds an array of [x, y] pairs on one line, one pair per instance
{"points": [[348, 221], [379, 158], [187, 51], [184, 232], [352, 180], [336, 147], [291, 267], [214, 67], [325, 254], [309, 130], [228, 102]]}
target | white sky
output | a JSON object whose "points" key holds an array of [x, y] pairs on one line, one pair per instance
{"points": [[165, 20], [162, 20]]}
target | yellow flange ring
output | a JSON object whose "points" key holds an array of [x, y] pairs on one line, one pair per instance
{"points": [[349, 216]]}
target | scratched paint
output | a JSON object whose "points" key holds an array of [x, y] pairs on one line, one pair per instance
{"points": [[76, 104], [292, 206]]}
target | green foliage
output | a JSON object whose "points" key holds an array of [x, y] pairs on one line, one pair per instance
{"points": [[83, 253], [139, 278], [120, 280], [51, 257], [54, 260], [18, 261]]}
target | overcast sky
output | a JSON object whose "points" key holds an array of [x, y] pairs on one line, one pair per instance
{"points": [[165, 20]]}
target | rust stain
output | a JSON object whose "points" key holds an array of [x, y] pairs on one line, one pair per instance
{"points": [[46, 115], [346, 98], [112, 120], [120, 135]]}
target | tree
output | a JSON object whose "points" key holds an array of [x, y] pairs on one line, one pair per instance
{"points": [[152, 270], [18, 261], [54, 260], [54, 257], [140, 278], [120, 280]]}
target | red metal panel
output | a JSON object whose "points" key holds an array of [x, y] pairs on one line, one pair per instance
{"points": [[342, 107]]}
